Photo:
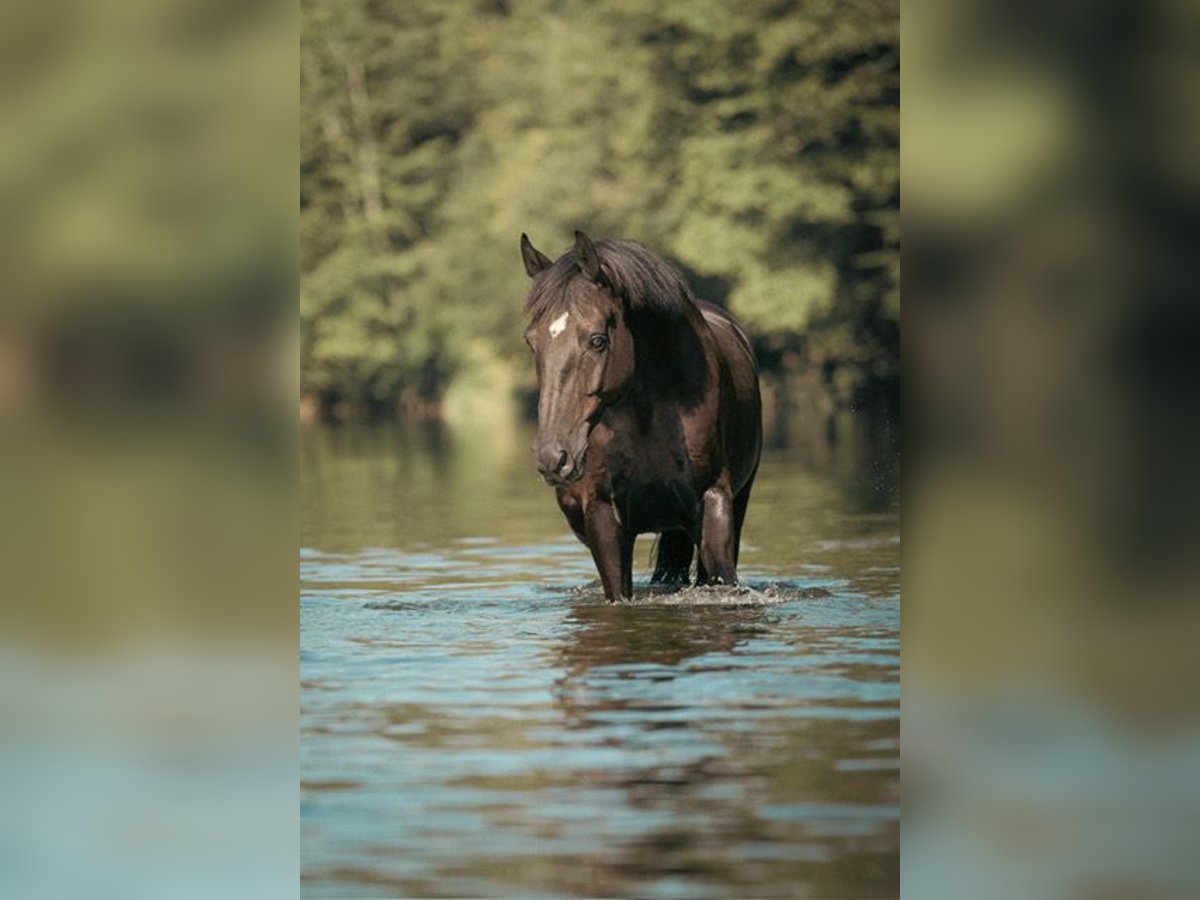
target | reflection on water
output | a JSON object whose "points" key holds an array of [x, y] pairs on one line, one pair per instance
{"points": [[477, 722]]}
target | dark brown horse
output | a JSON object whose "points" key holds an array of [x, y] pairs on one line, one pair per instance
{"points": [[649, 416]]}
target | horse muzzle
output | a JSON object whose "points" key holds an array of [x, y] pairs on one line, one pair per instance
{"points": [[560, 467]]}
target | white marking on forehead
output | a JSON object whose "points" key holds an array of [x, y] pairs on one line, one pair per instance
{"points": [[557, 326]]}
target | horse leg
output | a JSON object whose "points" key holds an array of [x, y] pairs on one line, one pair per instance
{"points": [[675, 550], [627, 542], [740, 502], [611, 550], [717, 536]]}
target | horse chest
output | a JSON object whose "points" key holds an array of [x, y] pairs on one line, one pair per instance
{"points": [[659, 507], [652, 487]]}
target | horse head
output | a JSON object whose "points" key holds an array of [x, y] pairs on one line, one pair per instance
{"points": [[583, 351]]}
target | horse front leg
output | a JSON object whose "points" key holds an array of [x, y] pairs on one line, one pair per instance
{"points": [[718, 536], [611, 550]]}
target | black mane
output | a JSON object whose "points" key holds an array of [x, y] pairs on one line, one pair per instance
{"points": [[646, 282]]}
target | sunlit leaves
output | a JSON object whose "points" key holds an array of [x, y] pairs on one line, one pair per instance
{"points": [[755, 142]]}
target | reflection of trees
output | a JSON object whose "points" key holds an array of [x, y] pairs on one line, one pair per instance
{"points": [[724, 826]]}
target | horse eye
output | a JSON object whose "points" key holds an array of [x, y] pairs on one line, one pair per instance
{"points": [[598, 341]]}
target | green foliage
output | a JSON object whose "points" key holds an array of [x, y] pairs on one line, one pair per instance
{"points": [[755, 142]]}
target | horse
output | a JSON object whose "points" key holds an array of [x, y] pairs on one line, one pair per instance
{"points": [[649, 411]]}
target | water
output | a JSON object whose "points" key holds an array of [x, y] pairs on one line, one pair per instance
{"points": [[476, 721]]}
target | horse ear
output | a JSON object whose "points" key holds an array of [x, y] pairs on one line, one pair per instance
{"points": [[535, 259], [586, 256]]}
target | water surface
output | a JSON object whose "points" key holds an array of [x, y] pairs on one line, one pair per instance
{"points": [[476, 721]]}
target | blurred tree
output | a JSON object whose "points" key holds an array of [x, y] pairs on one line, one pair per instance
{"points": [[756, 142], [386, 93]]}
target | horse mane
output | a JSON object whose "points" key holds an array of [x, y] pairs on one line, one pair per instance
{"points": [[641, 278]]}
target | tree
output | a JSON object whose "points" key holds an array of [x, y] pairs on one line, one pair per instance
{"points": [[756, 142]]}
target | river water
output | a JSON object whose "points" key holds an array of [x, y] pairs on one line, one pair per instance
{"points": [[476, 721]]}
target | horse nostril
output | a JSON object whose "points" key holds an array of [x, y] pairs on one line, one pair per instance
{"points": [[562, 460]]}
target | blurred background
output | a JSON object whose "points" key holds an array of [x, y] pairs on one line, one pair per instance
{"points": [[755, 145], [1051, 169], [147, 448]]}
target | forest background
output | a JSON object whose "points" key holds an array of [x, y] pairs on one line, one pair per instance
{"points": [[755, 144]]}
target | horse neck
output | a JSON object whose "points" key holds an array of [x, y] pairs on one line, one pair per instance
{"points": [[669, 356]]}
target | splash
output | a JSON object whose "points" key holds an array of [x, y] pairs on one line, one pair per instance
{"points": [[721, 595]]}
